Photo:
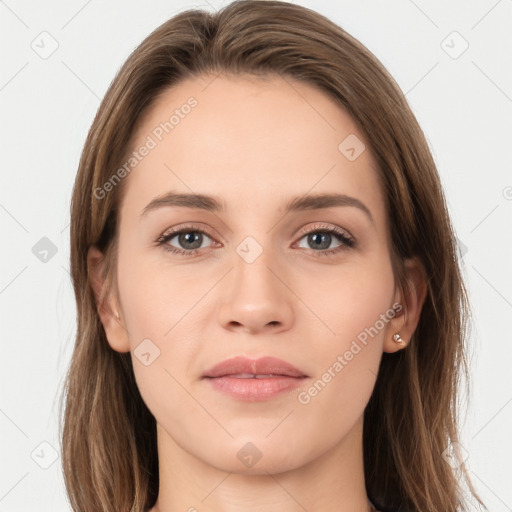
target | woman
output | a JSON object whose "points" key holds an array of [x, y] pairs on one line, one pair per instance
{"points": [[270, 309]]}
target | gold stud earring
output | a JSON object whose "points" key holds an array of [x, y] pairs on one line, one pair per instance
{"points": [[398, 339]]}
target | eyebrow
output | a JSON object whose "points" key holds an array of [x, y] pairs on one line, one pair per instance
{"points": [[215, 204]]}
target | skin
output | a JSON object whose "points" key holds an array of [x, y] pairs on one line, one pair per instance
{"points": [[255, 143]]}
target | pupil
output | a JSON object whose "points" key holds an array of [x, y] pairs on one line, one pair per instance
{"points": [[320, 240], [191, 237]]}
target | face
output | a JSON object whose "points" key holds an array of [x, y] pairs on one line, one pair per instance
{"points": [[257, 269]]}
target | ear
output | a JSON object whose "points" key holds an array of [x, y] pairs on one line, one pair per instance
{"points": [[411, 302], [107, 307]]}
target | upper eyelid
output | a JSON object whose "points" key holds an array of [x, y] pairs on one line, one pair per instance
{"points": [[191, 227], [326, 227]]}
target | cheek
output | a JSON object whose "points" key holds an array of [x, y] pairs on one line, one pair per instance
{"points": [[352, 309], [155, 307], [346, 355], [154, 297], [346, 302]]}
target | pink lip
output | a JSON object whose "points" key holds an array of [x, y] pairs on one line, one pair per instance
{"points": [[262, 366], [270, 377]]}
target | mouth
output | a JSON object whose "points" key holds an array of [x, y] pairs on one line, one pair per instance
{"points": [[254, 379], [252, 376]]}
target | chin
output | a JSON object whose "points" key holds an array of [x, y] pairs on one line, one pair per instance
{"points": [[257, 456]]}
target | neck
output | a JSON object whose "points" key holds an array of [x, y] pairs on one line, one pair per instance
{"points": [[333, 482]]}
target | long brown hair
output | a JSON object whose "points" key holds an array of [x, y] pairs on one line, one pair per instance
{"points": [[109, 450]]}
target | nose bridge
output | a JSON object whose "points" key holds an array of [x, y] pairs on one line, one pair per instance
{"points": [[253, 272], [255, 296]]}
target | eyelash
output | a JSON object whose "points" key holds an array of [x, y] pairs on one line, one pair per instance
{"points": [[347, 242]]}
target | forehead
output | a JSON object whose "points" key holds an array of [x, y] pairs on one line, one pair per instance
{"points": [[252, 141]]}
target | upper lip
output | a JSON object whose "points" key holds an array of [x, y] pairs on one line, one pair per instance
{"points": [[263, 366]]}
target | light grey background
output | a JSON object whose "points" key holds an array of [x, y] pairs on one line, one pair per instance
{"points": [[462, 98]]}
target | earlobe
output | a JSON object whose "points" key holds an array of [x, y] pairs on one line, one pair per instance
{"points": [[106, 306], [404, 324]]}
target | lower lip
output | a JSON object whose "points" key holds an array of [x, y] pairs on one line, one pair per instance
{"points": [[255, 390]]}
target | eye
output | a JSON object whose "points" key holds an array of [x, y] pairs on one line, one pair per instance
{"points": [[322, 236], [189, 240]]}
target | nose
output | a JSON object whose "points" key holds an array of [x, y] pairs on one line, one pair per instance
{"points": [[256, 298]]}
